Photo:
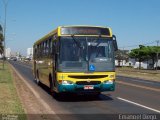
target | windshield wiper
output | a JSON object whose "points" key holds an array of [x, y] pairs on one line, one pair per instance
{"points": [[79, 46], [75, 41], [98, 41]]}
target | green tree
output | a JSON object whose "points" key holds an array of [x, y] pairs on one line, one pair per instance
{"points": [[145, 53], [152, 53], [139, 54]]}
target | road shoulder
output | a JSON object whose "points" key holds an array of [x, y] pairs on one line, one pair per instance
{"points": [[34, 108]]}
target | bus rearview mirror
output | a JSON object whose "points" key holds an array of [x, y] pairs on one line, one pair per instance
{"points": [[115, 43]]}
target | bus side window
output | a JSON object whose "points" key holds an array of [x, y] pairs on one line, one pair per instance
{"points": [[47, 48], [35, 51], [54, 49], [44, 48], [38, 51], [41, 49]]}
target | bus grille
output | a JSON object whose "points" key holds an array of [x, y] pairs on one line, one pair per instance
{"points": [[88, 76], [88, 83]]}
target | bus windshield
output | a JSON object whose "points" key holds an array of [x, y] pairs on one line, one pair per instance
{"points": [[86, 54]]}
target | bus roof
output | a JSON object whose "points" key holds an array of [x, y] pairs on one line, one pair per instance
{"points": [[58, 32], [83, 26]]}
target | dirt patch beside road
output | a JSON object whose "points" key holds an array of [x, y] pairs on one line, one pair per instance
{"points": [[152, 75]]}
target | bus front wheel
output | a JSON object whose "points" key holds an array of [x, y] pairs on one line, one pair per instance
{"points": [[50, 84]]}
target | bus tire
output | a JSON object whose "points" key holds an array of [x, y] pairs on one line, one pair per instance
{"points": [[52, 92], [37, 78], [50, 84], [96, 95]]}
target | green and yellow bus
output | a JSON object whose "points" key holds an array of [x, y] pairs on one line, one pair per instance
{"points": [[76, 59]]}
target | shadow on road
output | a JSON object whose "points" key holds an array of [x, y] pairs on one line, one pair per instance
{"points": [[82, 98], [71, 97]]}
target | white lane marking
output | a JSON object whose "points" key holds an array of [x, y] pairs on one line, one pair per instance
{"points": [[37, 95], [152, 109]]}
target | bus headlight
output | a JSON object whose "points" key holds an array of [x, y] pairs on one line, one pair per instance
{"points": [[108, 82], [65, 82], [111, 76]]}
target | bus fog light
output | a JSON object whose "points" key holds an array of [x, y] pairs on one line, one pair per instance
{"points": [[108, 82], [67, 82]]}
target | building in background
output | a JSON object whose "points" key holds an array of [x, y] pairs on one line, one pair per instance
{"points": [[8, 52], [30, 53]]}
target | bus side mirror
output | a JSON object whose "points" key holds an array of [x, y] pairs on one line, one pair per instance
{"points": [[115, 43]]}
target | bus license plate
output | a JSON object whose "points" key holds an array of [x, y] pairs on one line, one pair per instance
{"points": [[88, 87]]}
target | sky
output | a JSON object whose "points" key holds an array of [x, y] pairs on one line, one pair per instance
{"points": [[133, 22]]}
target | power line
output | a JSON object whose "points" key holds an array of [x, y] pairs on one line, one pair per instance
{"points": [[140, 44], [149, 43]]}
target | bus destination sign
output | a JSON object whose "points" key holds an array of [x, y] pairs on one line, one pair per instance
{"points": [[84, 31]]}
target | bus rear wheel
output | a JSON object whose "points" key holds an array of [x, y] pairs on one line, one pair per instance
{"points": [[50, 84], [37, 78]]}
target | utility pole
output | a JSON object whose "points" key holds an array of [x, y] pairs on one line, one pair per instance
{"points": [[123, 54], [5, 2], [157, 54]]}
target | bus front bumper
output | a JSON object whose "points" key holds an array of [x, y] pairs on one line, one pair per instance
{"points": [[74, 88]]}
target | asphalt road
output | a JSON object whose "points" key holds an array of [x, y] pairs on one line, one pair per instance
{"points": [[132, 96]]}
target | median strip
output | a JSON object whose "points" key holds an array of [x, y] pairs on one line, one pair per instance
{"points": [[10, 104]]}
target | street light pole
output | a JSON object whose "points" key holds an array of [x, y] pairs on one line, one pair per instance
{"points": [[5, 2], [157, 54]]}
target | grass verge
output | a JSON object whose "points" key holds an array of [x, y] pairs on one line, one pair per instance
{"points": [[9, 101]]}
